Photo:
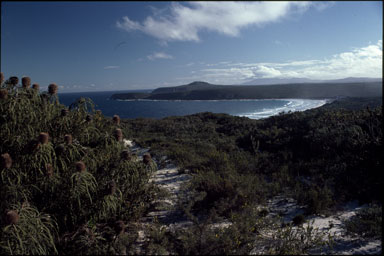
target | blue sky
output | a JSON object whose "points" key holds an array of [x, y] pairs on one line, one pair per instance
{"points": [[100, 46]]}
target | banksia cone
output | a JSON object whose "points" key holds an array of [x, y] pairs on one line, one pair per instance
{"points": [[3, 94], [36, 87], [88, 118], [118, 134], [26, 82], [112, 187], [116, 119], [43, 138], [49, 170], [146, 158], [14, 80], [120, 226], [68, 139], [126, 155], [5, 161], [12, 217], [80, 166], [52, 89], [64, 112], [1, 77], [60, 149]]}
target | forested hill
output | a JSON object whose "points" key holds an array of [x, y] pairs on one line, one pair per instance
{"points": [[206, 91]]}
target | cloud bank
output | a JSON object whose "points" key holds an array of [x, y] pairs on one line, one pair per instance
{"points": [[159, 55], [185, 21], [111, 67], [359, 62]]}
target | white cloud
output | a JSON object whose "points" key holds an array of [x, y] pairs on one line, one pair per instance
{"points": [[185, 21], [359, 62], [111, 67], [159, 55]]}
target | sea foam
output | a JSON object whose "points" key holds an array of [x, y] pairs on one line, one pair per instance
{"points": [[292, 106]]}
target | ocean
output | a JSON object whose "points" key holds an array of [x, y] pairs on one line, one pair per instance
{"points": [[254, 109]]}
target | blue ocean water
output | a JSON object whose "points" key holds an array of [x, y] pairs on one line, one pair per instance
{"points": [[254, 109]]}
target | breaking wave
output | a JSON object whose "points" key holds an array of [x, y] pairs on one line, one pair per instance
{"points": [[291, 106]]}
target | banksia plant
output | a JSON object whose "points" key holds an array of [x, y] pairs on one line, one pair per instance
{"points": [[3, 94], [43, 138], [52, 89], [36, 87], [5, 161], [116, 119], [14, 80], [126, 155], [64, 112], [26, 82], [118, 134], [80, 166], [68, 139], [12, 217]]}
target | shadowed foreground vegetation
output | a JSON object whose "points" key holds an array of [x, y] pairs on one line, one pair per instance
{"points": [[70, 186]]}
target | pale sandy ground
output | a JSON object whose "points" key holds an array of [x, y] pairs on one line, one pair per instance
{"points": [[344, 244], [165, 211]]}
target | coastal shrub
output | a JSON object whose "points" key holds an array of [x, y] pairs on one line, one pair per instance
{"points": [[65, 164], [28, 232], [366, 223]]}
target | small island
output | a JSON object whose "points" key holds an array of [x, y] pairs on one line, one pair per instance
{"points": [[206, 91]]}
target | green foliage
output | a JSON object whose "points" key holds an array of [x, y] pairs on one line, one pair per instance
{"points": [[367, 222], [43, 173], [34, 233]]}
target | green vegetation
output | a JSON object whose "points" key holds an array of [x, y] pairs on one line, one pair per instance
{"points": [[65, 179], [69, 186], [321, 157], [206, 91], [367, 222]]}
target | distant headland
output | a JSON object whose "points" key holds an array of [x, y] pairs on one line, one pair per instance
{"points": [[199, 90]]}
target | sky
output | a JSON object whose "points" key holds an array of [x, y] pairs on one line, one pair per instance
{"points": [[105, 46]]}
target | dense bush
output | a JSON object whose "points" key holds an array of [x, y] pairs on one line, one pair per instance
{"points": [[336, 148], [367, 222], [62, 172]]}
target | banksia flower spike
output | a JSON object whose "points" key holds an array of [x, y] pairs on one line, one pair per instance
{"points": [[1, 77], [3, 94], [146, 158], [14, 80], [126, 155], [80, 166], [112, 187], [5, 161], [118, 134], [36, 87], [68, 139], [26, 82], [43, 138], [12, 217], [120, 227], [116, 119], [64, 112], [60, 149], [49, 170], [88, 118], [52, 89]]}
